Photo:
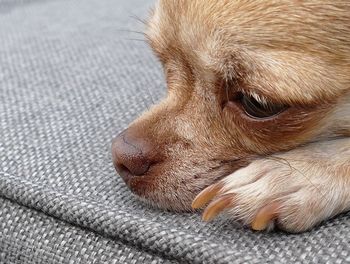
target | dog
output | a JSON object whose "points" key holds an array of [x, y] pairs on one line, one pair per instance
{"points": [[256, 120]]}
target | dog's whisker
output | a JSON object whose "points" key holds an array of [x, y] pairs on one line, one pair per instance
{"points": [[139, 40], [132, 31], [142, 21]]}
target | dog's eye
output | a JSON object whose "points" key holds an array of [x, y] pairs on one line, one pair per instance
{"points": [[259, 108]]}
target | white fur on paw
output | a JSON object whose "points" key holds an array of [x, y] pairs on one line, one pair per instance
{"points": [[296, 195]]}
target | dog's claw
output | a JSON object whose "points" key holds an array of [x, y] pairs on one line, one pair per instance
{"points": [[264, 217], [206, 195], [261, 221], [217, 206]]}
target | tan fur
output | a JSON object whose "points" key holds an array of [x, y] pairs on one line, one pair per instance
{"points": [[291, 52]]}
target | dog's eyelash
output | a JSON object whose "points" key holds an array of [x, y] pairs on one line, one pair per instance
{"points": [[259, 98]]}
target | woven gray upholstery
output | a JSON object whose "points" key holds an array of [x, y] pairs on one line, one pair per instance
{"points": [[71, 78], [31, 237]]}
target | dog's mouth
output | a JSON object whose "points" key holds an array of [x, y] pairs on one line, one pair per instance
{"points": [[175, 190]]}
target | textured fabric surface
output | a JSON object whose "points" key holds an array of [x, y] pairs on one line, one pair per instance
{"points": [[71, 77], [31, 237]]}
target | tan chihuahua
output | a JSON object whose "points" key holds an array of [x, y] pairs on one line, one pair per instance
{"points": [[257, 112]]}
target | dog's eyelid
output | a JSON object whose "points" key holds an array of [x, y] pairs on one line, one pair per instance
{"points": [[259, 98], [236, 86], [263, 98]]}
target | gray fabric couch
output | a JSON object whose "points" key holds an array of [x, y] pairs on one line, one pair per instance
{"points": [[71, 78]]}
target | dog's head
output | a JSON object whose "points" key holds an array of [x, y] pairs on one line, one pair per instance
{"points": [[244, 79]]}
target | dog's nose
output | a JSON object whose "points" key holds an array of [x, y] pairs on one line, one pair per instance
{"points": [[131, 154]]}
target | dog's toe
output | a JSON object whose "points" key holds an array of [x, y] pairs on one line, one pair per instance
{"points": [[268, 192]]}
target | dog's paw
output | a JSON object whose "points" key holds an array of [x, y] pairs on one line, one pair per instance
{"points": [[293, 195]]}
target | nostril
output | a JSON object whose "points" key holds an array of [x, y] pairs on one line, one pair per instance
{"points": [[135, 167], [130, 155], [122, 170]]}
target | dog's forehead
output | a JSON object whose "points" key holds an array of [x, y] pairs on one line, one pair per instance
{"points": [[270, 24], [285, 46], [187, 21], [186, 27]]}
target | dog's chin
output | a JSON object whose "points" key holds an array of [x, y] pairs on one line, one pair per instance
{"points": [[157, 192], [172, 198]]}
